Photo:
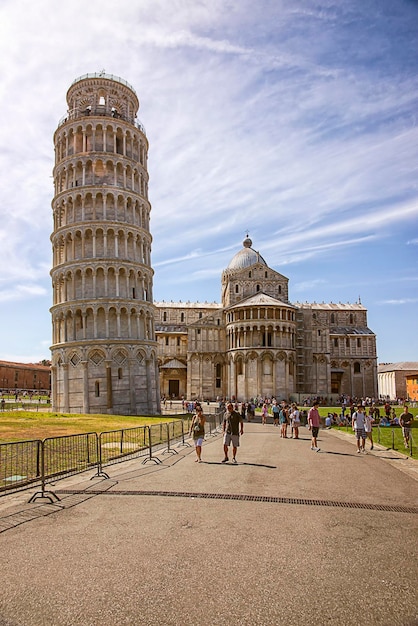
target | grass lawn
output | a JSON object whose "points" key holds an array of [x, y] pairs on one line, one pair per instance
{"points": [[387, 436], [24, 425], [390, 437]]}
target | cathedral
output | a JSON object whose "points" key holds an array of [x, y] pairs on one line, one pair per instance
{"points": [[258, 343]]}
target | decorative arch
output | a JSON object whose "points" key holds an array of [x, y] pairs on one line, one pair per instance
{"points": [[96, 357]]}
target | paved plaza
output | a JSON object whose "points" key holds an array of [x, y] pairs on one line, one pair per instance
{"points": [[287, 536]]}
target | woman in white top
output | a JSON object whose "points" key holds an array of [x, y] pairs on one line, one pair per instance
{"points": [[197, 431], [368, 427], [295, 421]]}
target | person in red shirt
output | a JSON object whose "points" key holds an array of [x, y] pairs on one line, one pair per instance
{"points": [[314, 423]]}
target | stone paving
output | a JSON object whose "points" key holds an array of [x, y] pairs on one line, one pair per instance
{"points": [[286, 536]]}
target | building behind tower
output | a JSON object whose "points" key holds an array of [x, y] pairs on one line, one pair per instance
{"points": [[103, 337]]}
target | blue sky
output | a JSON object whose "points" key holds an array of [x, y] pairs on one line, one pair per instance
{"points": [[293, 120]]}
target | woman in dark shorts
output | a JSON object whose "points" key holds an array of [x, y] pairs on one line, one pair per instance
{"points": [[197, 430]]}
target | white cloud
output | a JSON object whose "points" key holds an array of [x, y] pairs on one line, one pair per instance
{"points": [[22, 292], [295, 121], [400, 301], [308, 285]]}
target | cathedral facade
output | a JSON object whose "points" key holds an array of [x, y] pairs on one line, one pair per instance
{"points": [[258, 343]]}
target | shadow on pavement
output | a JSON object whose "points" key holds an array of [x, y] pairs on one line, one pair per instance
{"points": [[238, 463]]}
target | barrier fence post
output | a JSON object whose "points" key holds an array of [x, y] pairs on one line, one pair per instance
{"points": [[183, 441], [49, 495], [39, 459], [211, 423], [150, 457], [169, 450], [100, 472]]}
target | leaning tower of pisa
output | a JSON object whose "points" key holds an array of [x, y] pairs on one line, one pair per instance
{"points": [[103, 345]]}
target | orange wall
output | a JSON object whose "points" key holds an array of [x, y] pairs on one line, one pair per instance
{"points": [[412, 387]]}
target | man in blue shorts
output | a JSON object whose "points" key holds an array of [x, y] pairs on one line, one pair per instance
{"points": [[232, 428], [358, 423]]}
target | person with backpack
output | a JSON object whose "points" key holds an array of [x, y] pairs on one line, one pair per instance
{"points": [[232, 428]]}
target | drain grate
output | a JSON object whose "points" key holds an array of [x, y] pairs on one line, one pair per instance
{"points": [[252, 498]]}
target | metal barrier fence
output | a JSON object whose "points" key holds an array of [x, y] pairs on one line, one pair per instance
{"points": [[397, 440], [27, 464], [20, 465], [391, 437], [26, 405]]}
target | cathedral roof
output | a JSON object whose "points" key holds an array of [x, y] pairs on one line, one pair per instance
{"points": [[246, 257], [173, 364], [350, 330], [186, 305], [330, 306], [171, 328], [261, 299]]}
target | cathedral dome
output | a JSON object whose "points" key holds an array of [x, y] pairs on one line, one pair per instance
{"points": [[246, 257]]}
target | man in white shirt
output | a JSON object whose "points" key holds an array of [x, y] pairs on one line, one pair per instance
{"points": [[358, 423]]}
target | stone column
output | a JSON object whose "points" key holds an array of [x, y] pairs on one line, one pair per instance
{"points": [[66, 407], [157, 387], [149, 381], [274, 376], [286, 376], [200, 393], [233, 380], [132, 393], [245, 361], [109, 390], [259, 363], [86, 403], [189, 377], [54, 388]]}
